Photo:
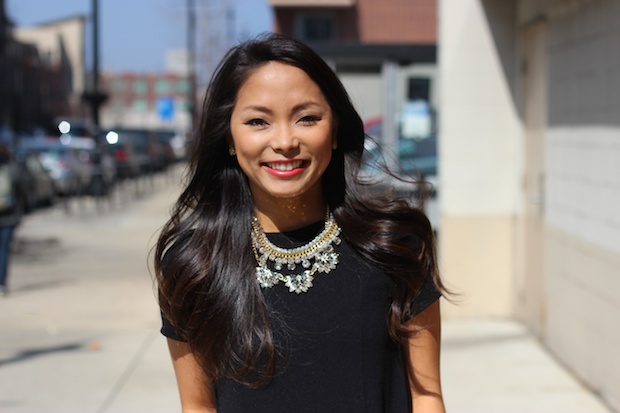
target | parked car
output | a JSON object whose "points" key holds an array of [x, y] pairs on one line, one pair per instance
{"points": [[415, 156], [178, 142], [98, 161], [165, 152], [68, 172], [133, 150], [34, 186]]}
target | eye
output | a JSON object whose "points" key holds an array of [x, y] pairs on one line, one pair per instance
{"points": [[309, 120], [256, 122]]}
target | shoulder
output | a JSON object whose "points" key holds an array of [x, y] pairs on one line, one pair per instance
{"points": [[178, 247]]}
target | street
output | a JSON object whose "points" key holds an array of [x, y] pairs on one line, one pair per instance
{"points": [[80, 328]]}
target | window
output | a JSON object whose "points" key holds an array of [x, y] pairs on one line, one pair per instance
{"points": [[318, 27], [140, 87], [119, 85], [162, 87], [140, 105], [184, 105], [183, 86], [419, 89]]}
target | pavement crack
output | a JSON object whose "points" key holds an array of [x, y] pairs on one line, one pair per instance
{"points": [[131, 367]]}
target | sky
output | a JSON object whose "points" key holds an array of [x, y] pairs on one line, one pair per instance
{"points": [[135, 34]]}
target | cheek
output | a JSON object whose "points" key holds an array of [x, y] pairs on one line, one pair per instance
{"points": [[244, 162], [245, 144], [326, 156]]}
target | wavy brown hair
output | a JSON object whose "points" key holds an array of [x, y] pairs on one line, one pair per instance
{"points": [[204, 265]]}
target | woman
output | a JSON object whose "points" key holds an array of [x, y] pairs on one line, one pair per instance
{"points": [[284, 283]]}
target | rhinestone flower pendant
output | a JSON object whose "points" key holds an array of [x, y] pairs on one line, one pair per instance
{"points": [[326, 262], [299, 283], [266, 278]]}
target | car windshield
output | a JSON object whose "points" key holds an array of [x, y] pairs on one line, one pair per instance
{"points": [[414, 155]]}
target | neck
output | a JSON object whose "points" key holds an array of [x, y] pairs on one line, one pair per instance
{"points": [[287, 215]]}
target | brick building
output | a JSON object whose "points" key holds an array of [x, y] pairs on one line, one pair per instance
{"points": [[358, 21], [146, 100]]}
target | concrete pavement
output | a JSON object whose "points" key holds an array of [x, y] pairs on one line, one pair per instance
{"points": [[79, 331]]}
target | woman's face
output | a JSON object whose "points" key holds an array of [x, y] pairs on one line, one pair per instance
{"points": [[282, 131]]}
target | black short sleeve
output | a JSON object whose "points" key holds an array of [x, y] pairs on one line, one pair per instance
{"points": [[428, 295], [169, 331]]}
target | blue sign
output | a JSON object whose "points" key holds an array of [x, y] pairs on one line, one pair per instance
{"points": [[165, 108]]}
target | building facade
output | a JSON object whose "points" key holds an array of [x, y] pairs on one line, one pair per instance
{"points": [[358, 21], [530, 183], [60, 46], [35, 84], [152, 100]]}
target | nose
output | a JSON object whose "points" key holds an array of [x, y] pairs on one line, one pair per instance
{"points": [[284, 140]]}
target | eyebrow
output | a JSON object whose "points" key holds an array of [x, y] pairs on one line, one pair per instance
{"points": [[296, 108]]}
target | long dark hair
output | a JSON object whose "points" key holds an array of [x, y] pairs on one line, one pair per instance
{"points": [[207, 289]]}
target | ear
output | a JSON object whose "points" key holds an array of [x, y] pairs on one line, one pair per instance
{"points": [[231, 146], [335, 135]]}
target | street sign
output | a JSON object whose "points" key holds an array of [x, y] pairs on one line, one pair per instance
{"points": [[165, 108]]}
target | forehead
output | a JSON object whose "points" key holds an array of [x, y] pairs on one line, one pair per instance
{"points": [[275, 78]]}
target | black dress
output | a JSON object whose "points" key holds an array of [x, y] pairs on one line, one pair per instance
{"points": [[340, 357]]}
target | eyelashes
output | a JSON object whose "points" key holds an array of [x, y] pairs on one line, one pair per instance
{"points": [[256, 122], [308, 120]]}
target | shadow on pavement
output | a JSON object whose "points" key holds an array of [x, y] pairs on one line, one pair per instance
{"points": [[32, 353], [35, 249], [40, 285]]}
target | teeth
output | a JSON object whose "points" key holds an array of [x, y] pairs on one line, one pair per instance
{"points": [[289, 166]]}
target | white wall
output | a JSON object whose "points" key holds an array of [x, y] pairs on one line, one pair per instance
{"points": [[479, 156], [481, 159], [582, 201], [480, 127], [584, 117], [365, 90]]}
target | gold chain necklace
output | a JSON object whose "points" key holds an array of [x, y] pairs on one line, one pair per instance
{"points": [[317, 255]]}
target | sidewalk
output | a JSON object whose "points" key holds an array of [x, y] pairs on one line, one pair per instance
{"points": [[79, 332]]}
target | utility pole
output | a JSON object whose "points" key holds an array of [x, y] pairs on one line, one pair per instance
{"points": [[94, 96], [95, 104], [191, 61]]}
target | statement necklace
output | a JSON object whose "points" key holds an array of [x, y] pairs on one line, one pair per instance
{"points": [[317, 255]]}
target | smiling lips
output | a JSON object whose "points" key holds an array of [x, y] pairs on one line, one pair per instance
{"points": [[285, 169]]}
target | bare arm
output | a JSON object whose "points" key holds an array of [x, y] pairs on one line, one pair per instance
{"points": [[195, 390], [422, 354]]}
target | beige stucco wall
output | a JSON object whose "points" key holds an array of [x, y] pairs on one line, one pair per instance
{"points": [[479, 157], [475, 251]]}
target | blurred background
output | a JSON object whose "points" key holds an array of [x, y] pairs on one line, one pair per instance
{"points": [[509, 108]]}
